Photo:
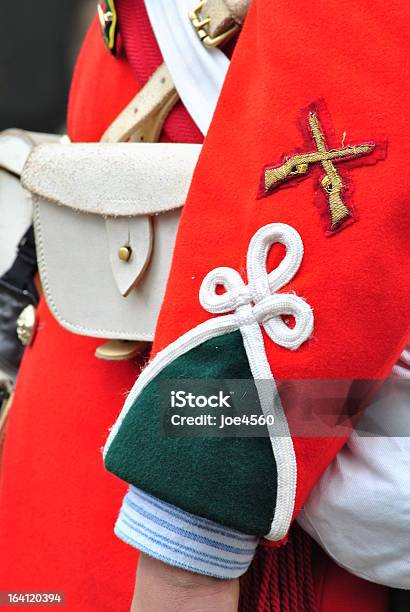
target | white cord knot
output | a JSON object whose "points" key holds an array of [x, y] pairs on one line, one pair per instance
{"points": [[259, 301]]}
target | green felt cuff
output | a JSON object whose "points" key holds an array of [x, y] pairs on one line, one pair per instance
{"points": [[231, 481]]}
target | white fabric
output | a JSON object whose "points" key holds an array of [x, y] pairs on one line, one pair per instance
{"points": [[359, 511], [198, 72]]}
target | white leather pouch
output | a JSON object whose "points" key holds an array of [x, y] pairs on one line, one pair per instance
{"points": [[15, 205], [106, 217]]}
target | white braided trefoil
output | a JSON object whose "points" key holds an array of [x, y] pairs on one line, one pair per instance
{"points": [[249, 307], [258, 301]]}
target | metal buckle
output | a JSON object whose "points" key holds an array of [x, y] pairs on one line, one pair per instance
{"points": [[200, 26]]}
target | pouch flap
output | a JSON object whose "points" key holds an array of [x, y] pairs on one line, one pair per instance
{"points": [[112, 179]]}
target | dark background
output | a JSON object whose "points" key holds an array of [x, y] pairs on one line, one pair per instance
{"points": [[38, 45]]}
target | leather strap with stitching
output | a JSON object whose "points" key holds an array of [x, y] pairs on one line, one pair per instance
{"points": [[143, 118]]}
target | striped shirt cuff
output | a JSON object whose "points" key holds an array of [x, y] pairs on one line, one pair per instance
{"points": [[182, 539]]}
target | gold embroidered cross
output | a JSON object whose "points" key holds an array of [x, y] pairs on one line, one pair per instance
{"points": [[332, 183]]}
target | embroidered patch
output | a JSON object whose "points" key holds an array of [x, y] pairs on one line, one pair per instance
{"points": [[335, 193]]}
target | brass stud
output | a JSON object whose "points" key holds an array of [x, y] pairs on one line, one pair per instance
{"points": [[26, 325], [124, 253]]}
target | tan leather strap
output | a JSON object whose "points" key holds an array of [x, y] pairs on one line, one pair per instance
{"points": [[238, 9], [217, 20], [120, 350], [143, 118]]}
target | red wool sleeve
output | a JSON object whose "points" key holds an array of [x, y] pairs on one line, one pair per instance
{"points": [[345, 63]]}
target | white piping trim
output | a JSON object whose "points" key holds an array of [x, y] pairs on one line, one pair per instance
{"points": [[253, 305], [279, 434]]}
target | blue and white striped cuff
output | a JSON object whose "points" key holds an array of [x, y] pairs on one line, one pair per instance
{"points": [[182, 539]]}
